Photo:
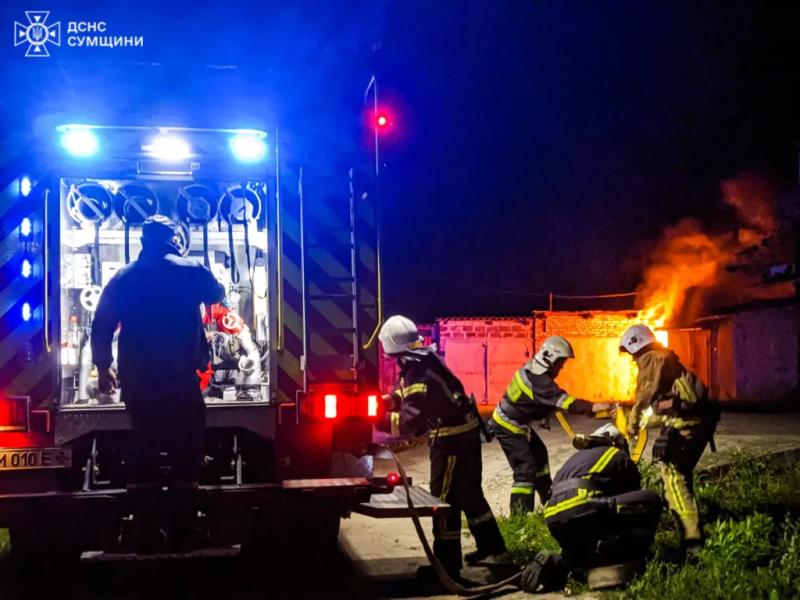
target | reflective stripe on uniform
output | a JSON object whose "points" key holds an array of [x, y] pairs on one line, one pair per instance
{"points": [[524, 387], [394, 420], [518, 489], [454, 430], [414, 388], [583, 497], [545, 470], [685, 391], [448, 477], [515, 429], [681, 501], [565, 402], [603, 461], [450, 535], [487, 516]]}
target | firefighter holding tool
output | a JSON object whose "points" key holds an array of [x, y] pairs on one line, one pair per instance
{"points": [[429, 399], [672, 398], [533, 396]]}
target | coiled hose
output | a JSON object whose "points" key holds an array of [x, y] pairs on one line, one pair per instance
{"points": [[441, 573]]}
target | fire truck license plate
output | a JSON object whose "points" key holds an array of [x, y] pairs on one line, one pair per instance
{"points": [[35, 458]]}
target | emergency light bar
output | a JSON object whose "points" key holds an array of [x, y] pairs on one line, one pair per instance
{"points": [[168, 147], [79, 140], [168, 144]]}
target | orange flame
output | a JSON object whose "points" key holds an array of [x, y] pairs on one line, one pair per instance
{"points": [[686, 259]]}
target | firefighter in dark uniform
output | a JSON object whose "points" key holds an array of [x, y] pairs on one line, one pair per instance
{"points": [[429, 398], [156, 302], [533, 396], [673, 398], [597, 510]]}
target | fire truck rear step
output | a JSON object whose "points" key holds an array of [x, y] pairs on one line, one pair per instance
{"points": [[395, 505]]}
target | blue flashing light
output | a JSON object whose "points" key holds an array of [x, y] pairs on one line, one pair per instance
{"points": [[248, 147], [26, 269], [25, 187], [26, 312], [25, 227], [80, 141], [169, 148]]}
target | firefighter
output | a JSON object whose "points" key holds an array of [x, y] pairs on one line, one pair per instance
{"points": [[673, 398], [597, 510], [429, 398], [156, 301], [532, 396]]}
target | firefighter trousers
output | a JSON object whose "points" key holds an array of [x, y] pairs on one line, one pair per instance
{"points": [[606, 531], [456, 472], [682, 454], [528, 458], [172, 423]]}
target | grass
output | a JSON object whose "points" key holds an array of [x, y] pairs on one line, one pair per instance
{"points": [[5, 543], [752, 524]]}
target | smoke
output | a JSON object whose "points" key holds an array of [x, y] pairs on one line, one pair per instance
{"points": [[753, 198], [688, 265]]}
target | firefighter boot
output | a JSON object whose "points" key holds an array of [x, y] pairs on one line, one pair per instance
{"points": [[522, 502]]}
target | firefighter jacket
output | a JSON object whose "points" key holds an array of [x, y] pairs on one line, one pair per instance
{"points": [[668, 391], [588, 479], [531, 397], [428, 397], [156, 301]]}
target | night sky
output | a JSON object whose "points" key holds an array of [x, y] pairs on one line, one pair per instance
{"points": [[536, 146]]}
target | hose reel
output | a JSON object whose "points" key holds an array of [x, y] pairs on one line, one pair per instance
{"points": [[198, 205], [134, 203], [239, 205], [90, 204]]}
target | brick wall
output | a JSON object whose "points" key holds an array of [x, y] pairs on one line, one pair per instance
{"points": [[598, 371], [463, 329], [609, 324], [485, 352]]}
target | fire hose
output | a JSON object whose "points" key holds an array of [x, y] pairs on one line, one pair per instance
{"points": [[441, 572]]}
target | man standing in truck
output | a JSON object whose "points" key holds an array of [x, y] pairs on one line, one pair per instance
{"points": [[156, 303]]}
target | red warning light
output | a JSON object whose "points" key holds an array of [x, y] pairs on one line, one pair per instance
{"points": [[372, 405], [392, 479], [330, 406], [382, 120]]}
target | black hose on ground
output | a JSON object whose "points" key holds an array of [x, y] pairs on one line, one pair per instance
{"points": [[444, 577]]}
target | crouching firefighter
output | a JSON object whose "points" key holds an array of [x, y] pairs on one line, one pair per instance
{"points": [[531, 397], [598, 513], [673, 398], [429, 398]]}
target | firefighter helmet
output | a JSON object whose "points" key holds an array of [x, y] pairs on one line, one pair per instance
{"points": [[555, 348], [635, 338], [607, 435], [399, 334]]}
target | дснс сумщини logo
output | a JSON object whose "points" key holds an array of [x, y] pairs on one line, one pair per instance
{"points": [[37, 34]]}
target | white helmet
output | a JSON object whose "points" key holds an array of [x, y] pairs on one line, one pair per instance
{"points": [[635, 338], [554, 348], [399, 334], [610, 433], [607, 430]]}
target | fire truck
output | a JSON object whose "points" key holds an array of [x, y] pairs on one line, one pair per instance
{"points": [[291, 393]]}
